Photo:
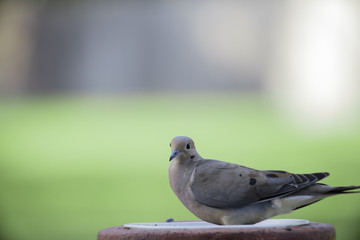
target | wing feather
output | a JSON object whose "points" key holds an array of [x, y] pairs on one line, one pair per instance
{"points": [[225, 185]]}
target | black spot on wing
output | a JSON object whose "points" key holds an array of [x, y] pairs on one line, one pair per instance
{"points": [[252, 181]]}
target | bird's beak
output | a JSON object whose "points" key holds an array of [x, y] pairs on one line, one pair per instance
{"points": [[173, 154]]}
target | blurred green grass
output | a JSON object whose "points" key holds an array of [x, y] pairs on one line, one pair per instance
{"points": [[71, 166]]}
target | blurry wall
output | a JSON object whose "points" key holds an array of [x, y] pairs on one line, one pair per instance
{"points": [[17, 20], [303, 54], [122, 46]]}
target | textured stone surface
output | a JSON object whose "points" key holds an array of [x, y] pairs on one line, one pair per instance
{"points": [[318, 231]]}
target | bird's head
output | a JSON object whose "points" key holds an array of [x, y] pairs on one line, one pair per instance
{"points": [[183, 148]]}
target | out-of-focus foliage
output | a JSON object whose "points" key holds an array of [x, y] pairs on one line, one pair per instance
{"points": [[73, 166]]}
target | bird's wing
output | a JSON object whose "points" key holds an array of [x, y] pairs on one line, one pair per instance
{"points": [[225, 185]]}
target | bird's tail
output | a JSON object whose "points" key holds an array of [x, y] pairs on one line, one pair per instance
{"points": [[343, 190], [326, 191]]}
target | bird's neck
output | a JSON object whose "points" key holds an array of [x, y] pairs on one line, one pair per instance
{"points": [[180, 173]]}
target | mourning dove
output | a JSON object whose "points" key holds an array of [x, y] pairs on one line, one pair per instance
{"points": [[230, 194]]}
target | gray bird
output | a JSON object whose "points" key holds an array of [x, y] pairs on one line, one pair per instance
{"points": [[230, 194]]}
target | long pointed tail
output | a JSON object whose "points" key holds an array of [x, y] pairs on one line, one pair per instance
{"points": [[343, 190]]}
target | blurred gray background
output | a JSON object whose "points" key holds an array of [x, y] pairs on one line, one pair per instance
{"points": [[120, 46], [92, 92]]}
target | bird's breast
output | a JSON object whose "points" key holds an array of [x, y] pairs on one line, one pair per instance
{"points": [[179, 176]]}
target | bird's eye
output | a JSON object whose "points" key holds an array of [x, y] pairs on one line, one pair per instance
{"points": [[187, 146]]}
